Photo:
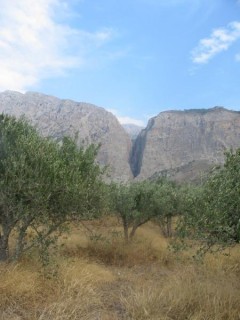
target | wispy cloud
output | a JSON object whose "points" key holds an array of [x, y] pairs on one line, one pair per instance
{"points": [[220, 40], [34, 45], [127, 120]]}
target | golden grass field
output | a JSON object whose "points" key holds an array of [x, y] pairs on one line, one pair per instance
{"points": [[103, 279]]}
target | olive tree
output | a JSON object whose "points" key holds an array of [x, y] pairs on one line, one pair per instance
{"points": [[212, 211], [43, 184], [133, 204], [167, 199]]}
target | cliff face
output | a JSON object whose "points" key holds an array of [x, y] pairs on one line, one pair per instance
{"points": [[185, 141], [179, 144], [56, 118]]}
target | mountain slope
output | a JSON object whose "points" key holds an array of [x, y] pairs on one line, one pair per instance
{"points": [[55, 117]]}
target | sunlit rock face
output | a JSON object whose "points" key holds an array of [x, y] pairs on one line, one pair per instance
{"points": [[183, 144], [89, 124]]}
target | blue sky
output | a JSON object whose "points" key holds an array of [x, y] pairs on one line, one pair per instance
{"points": [[135, 58]]}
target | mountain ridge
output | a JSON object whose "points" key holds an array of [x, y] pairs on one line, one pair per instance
{"points": [[175, 143]]}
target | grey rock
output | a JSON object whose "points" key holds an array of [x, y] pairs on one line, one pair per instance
{"points": [[185, 141], [57, 118], [182, 145]]}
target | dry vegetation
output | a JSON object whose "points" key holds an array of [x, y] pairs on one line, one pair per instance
{"points": [[102, 279]]}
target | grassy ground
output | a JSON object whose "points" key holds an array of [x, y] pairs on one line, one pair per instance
{"points": [[102, 279]]}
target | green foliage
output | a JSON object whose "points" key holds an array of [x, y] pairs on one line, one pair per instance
{"points": [[212, 211], [137, 203], [43, 184], [133, 205], [167, 201]]}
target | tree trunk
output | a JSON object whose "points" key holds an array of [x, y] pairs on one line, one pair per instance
{"points": [[4, 247], [133, 231], [21, 238], [135, 226], [125, 229], [169, 226], [20, 245], [5, 230]]}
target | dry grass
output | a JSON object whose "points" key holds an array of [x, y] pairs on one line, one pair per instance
{"points": [[227, 262], [74, 294], [106, 245], [79, 297], [115, 252], [103, 279], [22, 291], [187, 294]]}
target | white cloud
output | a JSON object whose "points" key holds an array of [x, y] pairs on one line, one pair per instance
{"points": [[34, 46], [126, 120], [220, 40]]}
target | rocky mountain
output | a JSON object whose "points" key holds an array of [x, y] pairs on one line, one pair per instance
{"points": [[56, 118], [184, 144]]}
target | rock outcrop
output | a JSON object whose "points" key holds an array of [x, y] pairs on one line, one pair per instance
{"points": [[180, 144], [57, 118]]}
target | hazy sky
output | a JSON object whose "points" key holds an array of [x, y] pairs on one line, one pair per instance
{"points": [[133, 57]]}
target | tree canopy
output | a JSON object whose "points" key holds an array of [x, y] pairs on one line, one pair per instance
{"points": [[212, 211], [132, 203], [43, 184], [167, 201], [139, 202]]}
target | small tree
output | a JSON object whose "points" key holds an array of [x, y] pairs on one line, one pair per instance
{"points": [[213, 210], [133, 203], [43, 185], [167, 203]]}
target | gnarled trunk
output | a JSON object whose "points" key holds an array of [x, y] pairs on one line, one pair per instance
{"points": [[133, 231], [4, 246], [136, 226]]}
